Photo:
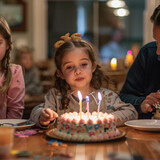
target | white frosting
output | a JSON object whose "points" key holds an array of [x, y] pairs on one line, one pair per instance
{"points": [[96, 127]]}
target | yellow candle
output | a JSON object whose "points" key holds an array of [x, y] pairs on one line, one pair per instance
{"points": [[80, 103], [113, 63]]}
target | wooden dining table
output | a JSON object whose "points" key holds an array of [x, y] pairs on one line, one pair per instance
{"points": [[135, 143]]}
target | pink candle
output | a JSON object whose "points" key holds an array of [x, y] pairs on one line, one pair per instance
{"points": [[87, 101]]}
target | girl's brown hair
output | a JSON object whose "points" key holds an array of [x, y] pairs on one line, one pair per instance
{"points": [[97, 78], [4, 64]]}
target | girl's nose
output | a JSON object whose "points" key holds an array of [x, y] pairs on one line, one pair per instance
{"points": [[77, 70]]}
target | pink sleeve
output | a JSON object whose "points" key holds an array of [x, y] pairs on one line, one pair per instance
{"points": [[16, 92]]}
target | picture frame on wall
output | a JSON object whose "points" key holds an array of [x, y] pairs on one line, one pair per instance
{"points": [[14, 13]]}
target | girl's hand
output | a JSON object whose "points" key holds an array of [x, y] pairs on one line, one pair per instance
{"points": [[148, 104], [47, 116]]}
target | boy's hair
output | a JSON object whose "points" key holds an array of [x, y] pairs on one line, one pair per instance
{"points": [[6, 33], [155, 18], [20, 51], [97, 78]]}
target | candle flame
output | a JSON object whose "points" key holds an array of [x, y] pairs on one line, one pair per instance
{"points": [[114, 61], [87, 98], [79, 95], [99, 96]]}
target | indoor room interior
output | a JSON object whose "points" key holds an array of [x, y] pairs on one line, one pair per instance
{"points": [[74, 111], [38, 24]]}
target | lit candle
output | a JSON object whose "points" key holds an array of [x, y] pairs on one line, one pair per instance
{"points": [[129, 58], [99, 103], [87, 101], [113, 63], [80, 103]]}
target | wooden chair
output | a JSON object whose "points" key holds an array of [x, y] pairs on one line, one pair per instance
{"points": [[30, 102]]}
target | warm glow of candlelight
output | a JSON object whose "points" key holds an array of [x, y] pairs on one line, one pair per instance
{"points": [[113, 63], [80, 103], [129, 58]]}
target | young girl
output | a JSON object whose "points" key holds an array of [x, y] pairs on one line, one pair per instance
{"points": [[77, 70], [12, 87], [24, 57]]}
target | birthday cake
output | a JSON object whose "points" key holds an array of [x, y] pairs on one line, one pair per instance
{"points": [[86, 127]]}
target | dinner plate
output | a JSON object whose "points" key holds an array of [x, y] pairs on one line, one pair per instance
{"points": [[50, 133], [17, 123], [144, 125]]}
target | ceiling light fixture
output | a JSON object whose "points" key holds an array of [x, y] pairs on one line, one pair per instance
{"points": [[115, 3], [121, 12]]}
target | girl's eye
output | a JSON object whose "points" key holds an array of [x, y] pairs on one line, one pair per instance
{"points": [[84, 64], [69, 67]]}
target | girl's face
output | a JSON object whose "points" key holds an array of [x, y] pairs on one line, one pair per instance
{"points": [[156, 36], [77, 69], [3, 47]]}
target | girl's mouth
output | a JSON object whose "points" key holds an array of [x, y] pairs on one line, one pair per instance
{"points": [[79, 79]]}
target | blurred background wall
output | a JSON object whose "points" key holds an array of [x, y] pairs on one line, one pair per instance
{"points": [[47, 20]]}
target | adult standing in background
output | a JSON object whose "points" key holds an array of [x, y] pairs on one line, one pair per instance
{"points": [[143, 78], [114, 47]]}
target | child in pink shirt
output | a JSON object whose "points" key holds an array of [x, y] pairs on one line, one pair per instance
{"points": [[12, 88]]}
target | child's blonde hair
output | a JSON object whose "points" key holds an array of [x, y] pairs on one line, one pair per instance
{"points": [[97, 78], [20, 51], [6, 33]]}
